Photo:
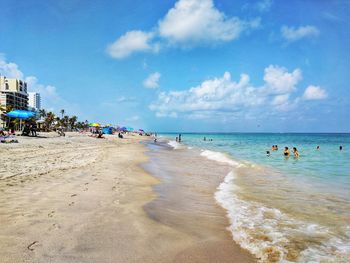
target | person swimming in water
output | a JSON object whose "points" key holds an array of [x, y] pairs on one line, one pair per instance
{"points": [[340, 147], [318, 148], [296, 152], [286, 152], [268, 153]]}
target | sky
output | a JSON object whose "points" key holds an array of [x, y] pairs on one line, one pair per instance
{"points": [[186, 65]]}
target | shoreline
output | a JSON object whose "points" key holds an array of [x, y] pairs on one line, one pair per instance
{"points": [[95, 212]]}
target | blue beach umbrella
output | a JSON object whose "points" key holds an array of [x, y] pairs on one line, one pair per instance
{"points": [[20, 114]]}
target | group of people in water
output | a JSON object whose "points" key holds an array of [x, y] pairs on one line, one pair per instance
{"points": [[296, 154], [286, 151]]}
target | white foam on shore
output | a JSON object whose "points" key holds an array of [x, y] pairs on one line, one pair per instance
{"points": [[267, 232], [219, 157], [174, 144]]}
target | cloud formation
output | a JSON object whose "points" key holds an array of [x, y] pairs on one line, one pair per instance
{"points": [[189, 23], [9, 69], [130, 42], [292, 34], [314, 93], [152, 81], [224, 97], [51, 100], [194, 21]]}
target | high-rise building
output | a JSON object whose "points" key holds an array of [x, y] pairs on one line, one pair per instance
{"points": [[13, 92], [34, 100]]}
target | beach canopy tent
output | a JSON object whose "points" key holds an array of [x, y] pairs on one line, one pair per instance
{"points": [[95, 124], [107, 130], [21, 114]]}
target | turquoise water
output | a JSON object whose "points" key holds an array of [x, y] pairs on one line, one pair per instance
{"points": [[283, 209], [328, 165]]}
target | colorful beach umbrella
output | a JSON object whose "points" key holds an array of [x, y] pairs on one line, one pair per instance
{"points": [[95, 124], [21, 114]]}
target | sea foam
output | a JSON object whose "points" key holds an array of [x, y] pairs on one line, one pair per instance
{"points": [[270, 234], [174, 144], [219, 157]]}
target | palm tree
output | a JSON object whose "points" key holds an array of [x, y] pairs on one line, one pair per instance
{"points": [[72, 120], [49, 119], [62, 113], [42, 113]]}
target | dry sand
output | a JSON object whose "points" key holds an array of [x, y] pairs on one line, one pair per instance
{"points": [[81, 199]]}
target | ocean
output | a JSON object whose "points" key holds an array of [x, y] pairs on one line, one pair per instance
{"points": [[281, 209]]}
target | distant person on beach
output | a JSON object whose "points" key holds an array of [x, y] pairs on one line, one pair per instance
{"points": [[180, 137], [2, 132], [100, 135], [286, 152], [176, 139], [204, 139], [296, 153], [340, 147], [33, 129], [155, 140], [318, 148]]}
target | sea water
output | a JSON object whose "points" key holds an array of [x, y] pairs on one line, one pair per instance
{"points": [[282, 209]]}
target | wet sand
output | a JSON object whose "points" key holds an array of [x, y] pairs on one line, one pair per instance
{"points": [[102, 210]]}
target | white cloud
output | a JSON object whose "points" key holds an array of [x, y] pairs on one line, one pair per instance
{"points": [[9, 69], [224, 98], [314, 93], [280, 99], [280, 81], [152, 80], [130, 42], [292, 34], [50, 98], [195, 21], [189, 23]]}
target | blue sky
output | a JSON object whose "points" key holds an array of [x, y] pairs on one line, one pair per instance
{"points": [[187, 65]]}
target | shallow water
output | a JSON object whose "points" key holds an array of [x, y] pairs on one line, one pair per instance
{"points": [[283, 209]]}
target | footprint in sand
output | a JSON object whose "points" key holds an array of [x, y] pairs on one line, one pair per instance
{"points": [[72, 203], [73, 195], [85, 189], [54, 226], [31, 245], [86, 183], [51, 214]]}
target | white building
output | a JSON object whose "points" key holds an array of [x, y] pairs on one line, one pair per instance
{"points": [[34, 100]]}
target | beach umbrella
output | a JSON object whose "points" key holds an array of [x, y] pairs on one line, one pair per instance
{"points": [[141, 130], [129, 129], [95, 124], [21, 114]]}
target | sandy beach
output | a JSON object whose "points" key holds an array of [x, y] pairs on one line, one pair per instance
{"points": [[80, 199]]}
